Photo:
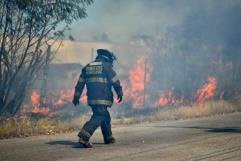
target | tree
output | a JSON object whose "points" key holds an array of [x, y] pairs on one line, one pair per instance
{"points": [[27, 29]]}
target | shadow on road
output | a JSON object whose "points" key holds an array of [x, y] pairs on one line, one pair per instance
{"points": [[68, 142], [65, 142], [62, 142], [209, 129]]}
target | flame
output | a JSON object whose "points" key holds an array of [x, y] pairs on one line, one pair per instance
{"points": [[133, 88], [64, 96], [43, 110], [35, 97], [167, 98], [206, 91], [138, 76]]}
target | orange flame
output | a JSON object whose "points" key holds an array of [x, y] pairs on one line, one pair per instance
{"points": [[43, 110], [133, 89], [207, 91], [167, 98], [35, 97], [64, 96], [138, 76]]}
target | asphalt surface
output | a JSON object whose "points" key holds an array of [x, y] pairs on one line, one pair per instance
{"points": [[215, 139]]}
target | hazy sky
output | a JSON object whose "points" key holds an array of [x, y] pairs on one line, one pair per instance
{"points": [[119, 20]]}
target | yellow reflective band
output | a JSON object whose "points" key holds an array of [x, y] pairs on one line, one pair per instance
{"points": [[100, 102], [115, 78], [94, 70], [96, 63], [98, 80]]}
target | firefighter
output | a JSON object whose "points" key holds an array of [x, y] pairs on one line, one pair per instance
{"points": [[99, 78]]}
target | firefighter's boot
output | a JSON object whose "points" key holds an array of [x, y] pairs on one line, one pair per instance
{"points": [[85, 144], [110, 140]]}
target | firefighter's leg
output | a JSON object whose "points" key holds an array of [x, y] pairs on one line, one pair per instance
{"points": [[106, 127], [91, 125]]}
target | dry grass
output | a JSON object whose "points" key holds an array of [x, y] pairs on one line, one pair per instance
{"points": [[206, 109], [202, 110], [25, 126]]}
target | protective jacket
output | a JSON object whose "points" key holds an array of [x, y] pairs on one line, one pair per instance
{"points": [[99, 77]]}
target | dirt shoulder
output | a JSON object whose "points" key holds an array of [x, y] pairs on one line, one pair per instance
{"points": [[213, 138]]}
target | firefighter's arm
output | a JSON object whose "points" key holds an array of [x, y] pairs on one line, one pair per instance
{"points": [[115, 83], [78, 89]]}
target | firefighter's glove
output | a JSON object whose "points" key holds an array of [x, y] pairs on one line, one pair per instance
{"points": [[75, 102], [120, 98]]}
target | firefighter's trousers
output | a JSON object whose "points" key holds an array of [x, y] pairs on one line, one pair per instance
{"points": [[100, 117]]}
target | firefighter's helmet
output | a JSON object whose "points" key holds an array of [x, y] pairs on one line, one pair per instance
{"points": [[106, 54]]}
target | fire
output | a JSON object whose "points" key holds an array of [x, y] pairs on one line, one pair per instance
{"points": [[139, 75], [35, 97], [64, 96], [206, 91], [167, 98], [44, 111], [134, 89]]}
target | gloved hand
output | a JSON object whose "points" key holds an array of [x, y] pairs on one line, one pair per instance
{"points": [[120, 98], [75, 101]]}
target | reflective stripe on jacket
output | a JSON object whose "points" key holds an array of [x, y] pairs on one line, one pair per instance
{"points": [[99, 78]]}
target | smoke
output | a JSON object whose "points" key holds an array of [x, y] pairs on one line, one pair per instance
{"points": [[194, 47], [206, 43], [121, 20], [189, 41]]}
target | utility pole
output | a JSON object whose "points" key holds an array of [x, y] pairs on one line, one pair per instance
{"points": [[144, 92], [92, 54], [43, 91]]}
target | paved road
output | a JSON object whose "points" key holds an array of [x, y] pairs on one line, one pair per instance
{"points": [[216, 138]]}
